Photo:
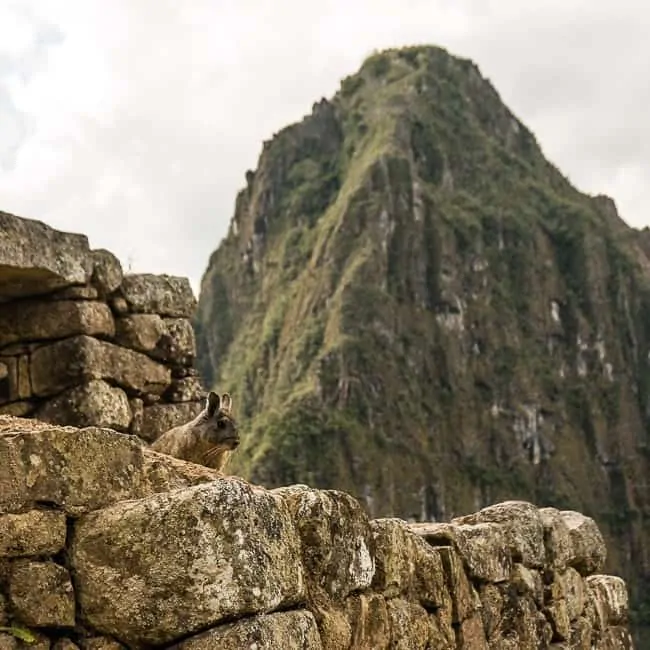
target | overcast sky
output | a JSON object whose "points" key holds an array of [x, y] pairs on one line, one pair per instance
{"points": [[134, 121]]}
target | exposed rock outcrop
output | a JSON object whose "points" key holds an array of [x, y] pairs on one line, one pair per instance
{"points": [[107, 544], [83, 344]]}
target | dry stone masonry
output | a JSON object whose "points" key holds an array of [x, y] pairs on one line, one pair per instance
{"points": [[105, 544], [83, 344]]}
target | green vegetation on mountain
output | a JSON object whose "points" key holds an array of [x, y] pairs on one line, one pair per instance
{"points": [[412, 304]]}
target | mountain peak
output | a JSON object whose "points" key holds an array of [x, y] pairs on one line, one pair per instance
{"points": [[413, 305]]}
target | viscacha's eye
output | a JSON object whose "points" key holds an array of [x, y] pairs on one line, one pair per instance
{"points": [[221, 424]]}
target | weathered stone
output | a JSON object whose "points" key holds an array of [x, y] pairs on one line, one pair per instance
{"points": [[442, 636], [142, 332], [94, 403], [107, 272], [610, 599], [580, 638], [528, 623], [332, 621], [82, 469], [72, 468], [410, 628], [30, 320], [491, 609], [18, 409], [614, 638], [118, 305], [137, 415], [510, 642], [162, 473], [405, 564], [437, 533], [37, 532], [203, 554], [69, 362], [557, 538], [75, 293], [283, 630], [522, 525], [180, 372], [471, 633], [484, 549], [335, 532], [36, 259], [463, 602], [41, 594], [100, 643], [16, 385], [589, 550], [4, 616], [159, 294], [393, 569], [8, 642], [573, 591], [22, 347], [544, 632], [65, 644], [368, 616], [181, 348], [168, 339], [557, 614], [528, 582], [188, 389], [158, 418]]}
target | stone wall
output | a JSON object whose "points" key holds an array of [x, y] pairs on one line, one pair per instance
{"points": [[83, 344], [107, 544]]}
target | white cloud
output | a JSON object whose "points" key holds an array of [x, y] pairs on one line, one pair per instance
{"points": [[134, 121]]}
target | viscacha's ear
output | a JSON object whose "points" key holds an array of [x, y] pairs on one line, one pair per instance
{"points": [[226, 402], [212, 403]]}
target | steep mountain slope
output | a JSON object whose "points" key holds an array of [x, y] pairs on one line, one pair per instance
{"points": [[412, 304]]}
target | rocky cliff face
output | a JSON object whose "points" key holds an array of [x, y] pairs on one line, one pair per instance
{"points": [[105, 545], [413, 305], [83, 344]]}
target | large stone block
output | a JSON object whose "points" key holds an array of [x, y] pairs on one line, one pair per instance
{"points": [[107, 272], [168, 339], [36, 259], [522, 525], [557, 538], [368, 616], [182, 342], [483, 547], [609, 597], [159, 294], [141, 332], [589, 551], [94, 403], [41, 594], [156, 570], [186, 389], [410, 627], [37, 532], [280, 631], [81, 469], [75, 360], [336, 536], [29, 320], [406, 565]]}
